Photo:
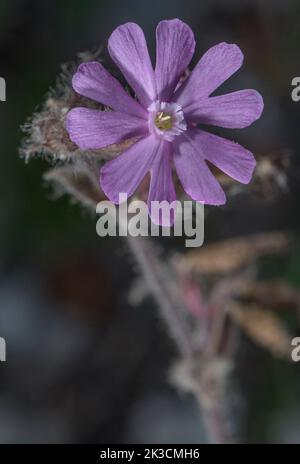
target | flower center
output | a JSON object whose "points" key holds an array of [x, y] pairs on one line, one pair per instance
{"points": [[166, 120], [163, 121]]}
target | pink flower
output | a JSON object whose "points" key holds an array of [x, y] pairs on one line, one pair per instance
{"points": [[166, 116]]}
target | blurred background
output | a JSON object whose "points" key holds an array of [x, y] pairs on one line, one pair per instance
{"points": [[84, 365]]}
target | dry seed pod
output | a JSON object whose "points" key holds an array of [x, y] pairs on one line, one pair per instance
{"points": [[263, 327], [233, 254], [275, 294]]}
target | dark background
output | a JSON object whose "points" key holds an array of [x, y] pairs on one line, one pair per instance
{"points": [[83, 365]]}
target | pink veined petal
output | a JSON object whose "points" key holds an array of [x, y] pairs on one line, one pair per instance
{"points": [[214, 68], [234, 110], [93, 81], [92, 129], [161, 186], [233, 159], [124, 173], [175, 46], [127, 47], [193, 172]]}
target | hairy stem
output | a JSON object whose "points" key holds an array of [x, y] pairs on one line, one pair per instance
{"points": [[163, 287], [162, 284]]}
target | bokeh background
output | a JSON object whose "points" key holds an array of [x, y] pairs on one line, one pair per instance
{"points": [[84, 365]]}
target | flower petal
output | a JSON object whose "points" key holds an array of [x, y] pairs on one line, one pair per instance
{"points": [[162, 186], [193, 172], [230, 157], [175, 46], [93, 81], [92, 129], [127, 47], [234, 110], [215, 67], [124, 173]]}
